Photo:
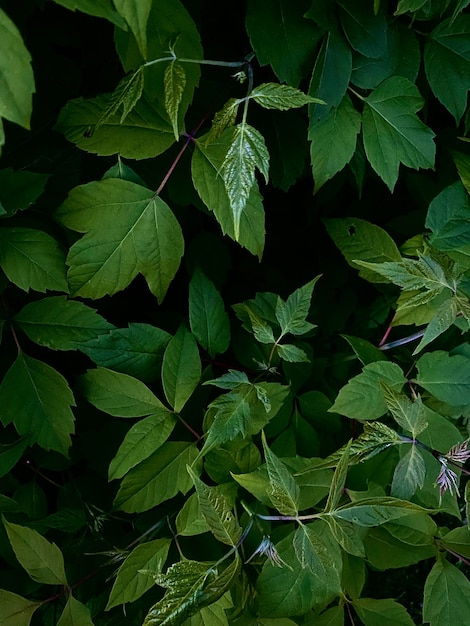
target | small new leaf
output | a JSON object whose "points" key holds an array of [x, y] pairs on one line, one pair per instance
{"points": [[223, 119], [409, 415], [283, 491], [339, 479], [281, 97], [126, 95], [292, 314], [174, 82]]}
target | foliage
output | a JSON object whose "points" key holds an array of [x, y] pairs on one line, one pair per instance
{"points": [[212, 409]]}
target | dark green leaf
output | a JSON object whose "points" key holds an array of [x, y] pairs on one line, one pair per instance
{"points": [[207, 317], [136, 14], [75, 613], [18, 190], [365, 29], [98, 8], [181, 370], [448, 219], [382, 612], [283, 490], [292, 313], [15, 610]]}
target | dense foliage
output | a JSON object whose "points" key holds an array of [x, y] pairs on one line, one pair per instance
{"points": [[235, 275]]}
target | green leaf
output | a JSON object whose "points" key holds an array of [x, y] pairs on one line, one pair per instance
{"points": [[207, 317], [246, 153], [216, 511], [409, 474], [98, 8], [283, 490], [126, 95], [291, 354], [261, 330], [281, 97], [157, 479], [445, 316], [273, 28], [136, 350], [10, 454], [144, 134], [230, 380], [392, 132], [411, 416], [16, 75], [133, 232], [382, 612], [462, 163], [118, 394], [312, 553], [447, 218], [292, 313], [339, 479], [214, 614], [136, 14], [61, 324], [358, 239], [191, 586], [42, 560], [348, 536], [32, 259], [181, 371], [130, 583], [447, 64], [18, 190], [15, 610], [175, 82], [75, 614], [446, 377], [331, 617], [341, 127], [365, 29], [205, 167], [37, 399], [372, 512], [446, 596], [362, 398], [365, 351], [223, 119], [142, 440]]}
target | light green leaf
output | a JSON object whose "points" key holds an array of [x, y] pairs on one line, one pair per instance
{"points": [[446, 596], [136, 350], [339, 479], [362, 398], [261, 330], [217, 512], [181, 370], [447, 64], [42, 560], [18, 190], [409, 474], [207, 317], [118, 394], [448, 219], [365, 351], [445, 316], [37, 399], [32, 259], [75, 614], [283, 490], [174, 81], [223, 119], [136, 14], [385, 612], [292, 314], [372, 512], [142, 440], [358, 239], [214, 614], [409, 415], [281, 97], [275, 27], [340, 127], [130, 583], [157, 479], [291, 353], [191, 586], [392, 132], [246, 153], [412, 275], [144, 134], [98, 8], [348, 536], [205, 167], [61, 324], [16, 75], [15, 610], [132, 232], [126, 95], [230, 380], [446, 377]]}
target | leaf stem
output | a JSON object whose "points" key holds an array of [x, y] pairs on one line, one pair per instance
{"points": [[198, 61]]}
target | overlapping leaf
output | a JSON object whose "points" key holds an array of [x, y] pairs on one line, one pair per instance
{"points": [[136, 14]]}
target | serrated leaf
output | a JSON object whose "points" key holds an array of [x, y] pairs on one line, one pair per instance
{"points": [[205, 167], [446, 596], [339, 479], [341, 127], [207, 316], [372, 512], [157, 479], [181, 370], [136, 350], [447, 64], [409, 415], [42, 560], [365, 351], [385, 612], [142, 440], [411, 274], [347, 536], [409, 474], [126, 95], [246, 153], [446, 377], [230, 380], [16, 76], [261, 330], [16, 610], [223, 119], [37, 399], [283, 491], [136, 14], [217, 513], [281, 97], [291, 353], [61, 324], [130, 583], [133, 232], [445, 316], [75, 613], [393, 133], [174, 81], [32, 259], [292, 313], [362, 398]]}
